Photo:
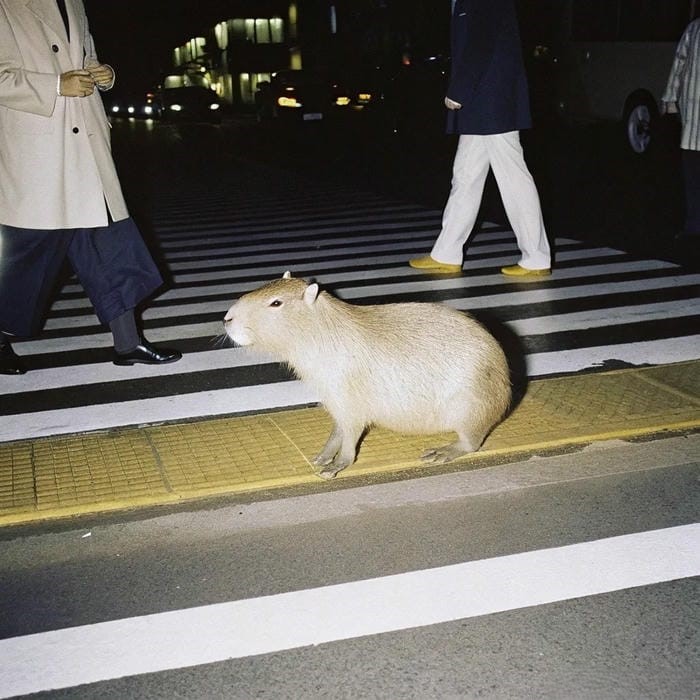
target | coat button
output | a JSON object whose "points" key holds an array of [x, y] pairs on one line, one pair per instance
{"points": [[54, 48], [75, 130]]}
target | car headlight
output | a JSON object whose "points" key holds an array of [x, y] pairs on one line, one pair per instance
{"points": [[364, 98], [130, 109], [176, 108], [148, 109], [342, 101], [214, 106], [115, 109]]}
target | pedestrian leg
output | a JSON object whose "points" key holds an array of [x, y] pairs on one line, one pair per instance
{"points": [[117, 272], [691, 182], [469, 171], [520, 200]]}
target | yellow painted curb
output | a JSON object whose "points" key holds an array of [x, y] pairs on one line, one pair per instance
{"points": [[130, 468]]}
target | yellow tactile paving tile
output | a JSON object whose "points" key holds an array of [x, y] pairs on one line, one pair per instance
{"points": [[96, 472]]}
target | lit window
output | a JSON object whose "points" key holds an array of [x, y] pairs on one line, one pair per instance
{"points": [[257, 78], [256, 31], [172, 81], [250, 30], [262, 31], [276, 30], [244, 84], [221, 31], [237, 28]]}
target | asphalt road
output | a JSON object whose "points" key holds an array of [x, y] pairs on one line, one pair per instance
{"points": [[640, 641]]}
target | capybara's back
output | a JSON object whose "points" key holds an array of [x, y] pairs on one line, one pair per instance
{"points": [[414, 367]]}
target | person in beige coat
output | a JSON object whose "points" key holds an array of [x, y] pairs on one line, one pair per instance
{"points": [[60, 195]]}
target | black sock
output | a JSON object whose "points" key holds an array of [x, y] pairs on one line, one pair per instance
{"points": [[126, 335]]}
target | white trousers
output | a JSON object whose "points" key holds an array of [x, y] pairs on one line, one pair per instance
{"points": [[504, 155]]}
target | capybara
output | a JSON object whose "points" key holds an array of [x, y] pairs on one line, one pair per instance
{"points": [[409, 367]]}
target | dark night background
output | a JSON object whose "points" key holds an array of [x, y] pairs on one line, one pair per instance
{"points": [[137, 38], [590, 183]]}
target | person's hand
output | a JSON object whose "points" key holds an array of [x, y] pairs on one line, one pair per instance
{"points": [[77, 83], [669, 108], [101, 73]]}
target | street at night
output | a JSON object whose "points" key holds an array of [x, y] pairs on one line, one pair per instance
{"points": [[222, 221], [164, 530]]}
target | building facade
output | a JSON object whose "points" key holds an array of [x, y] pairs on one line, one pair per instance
{"points": [[240, 43]]}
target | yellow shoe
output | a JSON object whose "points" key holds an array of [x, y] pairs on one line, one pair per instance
{"points": [[517, 271], [428, 263]]}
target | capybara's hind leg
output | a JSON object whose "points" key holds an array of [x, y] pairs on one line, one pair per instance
{"points": [[441, 455]]}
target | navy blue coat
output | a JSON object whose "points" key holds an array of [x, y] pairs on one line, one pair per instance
{"points": [[487, 75]]}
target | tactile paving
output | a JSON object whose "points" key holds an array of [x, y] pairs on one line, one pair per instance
{"points": [[150, 465]]}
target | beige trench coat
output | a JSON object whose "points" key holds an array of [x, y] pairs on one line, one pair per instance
{"points": [[56, 167]]}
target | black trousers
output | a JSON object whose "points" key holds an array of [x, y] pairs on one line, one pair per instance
{"points": [[112, 263], [691, 180]]}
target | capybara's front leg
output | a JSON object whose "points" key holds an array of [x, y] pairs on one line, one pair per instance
{"points": [[330, 449], [344, 440]]}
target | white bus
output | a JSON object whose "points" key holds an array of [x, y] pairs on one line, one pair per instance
{"points": [[610, 59]]}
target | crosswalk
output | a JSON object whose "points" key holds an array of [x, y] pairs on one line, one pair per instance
{"points": [[600, 309]]}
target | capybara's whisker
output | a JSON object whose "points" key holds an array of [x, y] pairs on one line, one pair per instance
{"points": [[221, 341]]}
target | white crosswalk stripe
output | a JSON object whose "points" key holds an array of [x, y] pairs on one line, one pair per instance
{"points": [[153, 643], [600, 305]]}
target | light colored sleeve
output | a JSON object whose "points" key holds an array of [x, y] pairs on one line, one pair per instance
{"points": [[104, 88], [673, 84], [20, 89], [91, 55]]}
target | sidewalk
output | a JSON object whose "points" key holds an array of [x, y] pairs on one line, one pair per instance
{"points": [[91, 473]]}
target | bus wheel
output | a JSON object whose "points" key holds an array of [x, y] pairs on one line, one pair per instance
{"points": [[639, 120]]}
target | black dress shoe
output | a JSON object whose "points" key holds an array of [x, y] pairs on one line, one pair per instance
{"points": [[146, 354], [10, 363]]}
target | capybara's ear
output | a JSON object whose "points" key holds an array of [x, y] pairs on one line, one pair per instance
{"points": [[310, 294], [287, 275]]}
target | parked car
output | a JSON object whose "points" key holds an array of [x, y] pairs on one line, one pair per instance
{"points": [[301, 95], [190, 104]]}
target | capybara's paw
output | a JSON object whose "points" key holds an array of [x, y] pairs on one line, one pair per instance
{"points": [[330, 471], [442, 455], [322, 459]]}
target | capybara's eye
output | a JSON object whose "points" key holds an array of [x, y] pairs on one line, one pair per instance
{"points": [[275, 302]]}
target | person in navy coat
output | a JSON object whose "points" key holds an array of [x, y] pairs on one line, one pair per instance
{"points": [[488, 104]]}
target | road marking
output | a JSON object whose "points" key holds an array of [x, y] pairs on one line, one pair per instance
{"points": [[152, 643], [260, 397]]}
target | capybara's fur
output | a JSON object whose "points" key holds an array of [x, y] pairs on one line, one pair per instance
{"points": [[412, 368]]}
